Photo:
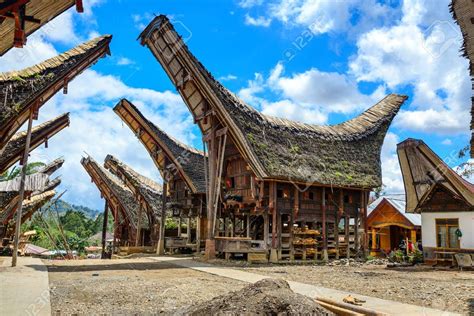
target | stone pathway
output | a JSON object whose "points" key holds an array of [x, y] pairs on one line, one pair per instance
{"points": [[312, 291], [24, 290]]}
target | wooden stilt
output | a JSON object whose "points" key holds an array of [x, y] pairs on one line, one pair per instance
{"points": [[104, 228], [160, 249], [22, 189], [325, 235], [266, 228], [247, 223], [179, 226], [188, 230], [272, 206], [356, 233], [347, 235], [138, 230]]}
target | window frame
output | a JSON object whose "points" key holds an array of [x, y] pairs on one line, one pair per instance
{"points": [[447, 225]]}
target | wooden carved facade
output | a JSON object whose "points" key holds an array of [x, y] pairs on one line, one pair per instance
{"points": [[129, 223], [275, 184], [180, 166]]}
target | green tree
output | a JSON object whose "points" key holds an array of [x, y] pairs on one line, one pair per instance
{"points": [[14, 172]]}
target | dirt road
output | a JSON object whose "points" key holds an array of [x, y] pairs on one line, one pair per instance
{"points": [[129, 287]]}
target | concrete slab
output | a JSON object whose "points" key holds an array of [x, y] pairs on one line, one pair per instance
{"points": [[24, 290], [382, 306]]}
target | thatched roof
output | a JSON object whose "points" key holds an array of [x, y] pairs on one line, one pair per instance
{"points": [[188, 161], [148, 190], [14, 150], [423, 170], [346, 155], [463, 14], [43, 10], [30, 88], [30, 206], [115, 191]]}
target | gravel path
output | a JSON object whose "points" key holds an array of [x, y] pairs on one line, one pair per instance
{"points": [[423, 286], [129, 287]]}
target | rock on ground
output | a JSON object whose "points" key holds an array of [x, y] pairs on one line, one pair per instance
{"points": [[266, 297]]}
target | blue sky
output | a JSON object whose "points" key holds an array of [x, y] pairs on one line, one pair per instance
{"points": [[317, 61]]}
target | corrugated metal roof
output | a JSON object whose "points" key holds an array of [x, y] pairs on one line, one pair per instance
{"points": [[398, 202]]}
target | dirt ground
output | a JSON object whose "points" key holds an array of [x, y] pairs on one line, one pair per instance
{"points": [[129, 287], [445, 290]]}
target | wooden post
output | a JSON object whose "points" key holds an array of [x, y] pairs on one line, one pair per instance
{"points": [[104, 228], [248, 225], [272, 206], [22, 189], [337, 214], [364, 242], [356, 231], [138, 230], [116, 219], [266, 228], [188, 230], [325, 236], [198, 233], [179, 226], [294, 214], [347, 238], [374, 240], [413, 236], [160, 249]]}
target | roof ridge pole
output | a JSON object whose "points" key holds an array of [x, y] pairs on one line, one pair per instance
{"points": [[22, 188]]}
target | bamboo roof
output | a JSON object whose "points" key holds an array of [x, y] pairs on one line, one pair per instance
{"points": [[14, 150], [164, 149], [43, 10], [463, 14], [30, 206], [115, 191], [146, 189], [28, 89], [346, 154], [423, 170]]}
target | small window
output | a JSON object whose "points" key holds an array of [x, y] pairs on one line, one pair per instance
{"points": [[446, 233]]}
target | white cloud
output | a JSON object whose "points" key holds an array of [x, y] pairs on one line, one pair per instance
{"points": [[322, 16], [447, 142], [421, 51], [250, 3], [309, 96], [95, 129], [141, 20], [229, 77], [391, 174], [123, 61], [258, 21]]}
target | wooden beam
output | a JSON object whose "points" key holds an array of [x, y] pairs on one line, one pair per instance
{"points": [[160, 248], [325, 236], [104, 228]]}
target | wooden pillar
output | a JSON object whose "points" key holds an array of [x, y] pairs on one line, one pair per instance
{"points": [[138, 230], [160, 249], [347, 238], [273, 208], [325, 235], [266, 228], [374, 240], [247, 224], [19, 208], [104, 228], [188, 230], [179, 226], [365, 237], [116, 219], [356, 231], [337, 217], [198, 233], [413, 236]]}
